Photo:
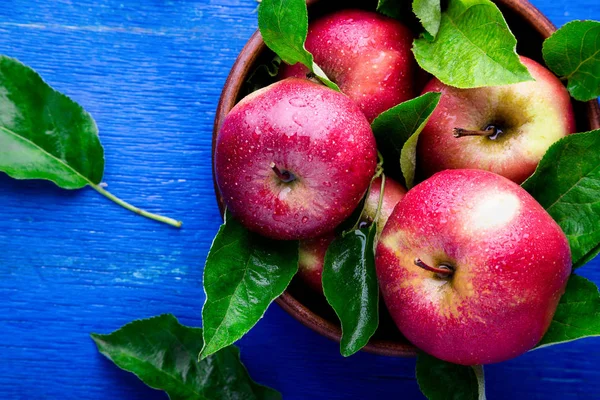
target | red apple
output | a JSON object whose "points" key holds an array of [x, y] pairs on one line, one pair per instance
{"points": [[367, 54], [293, 160], [312, 251], [311, 256], [518, 123], [471, 267]]}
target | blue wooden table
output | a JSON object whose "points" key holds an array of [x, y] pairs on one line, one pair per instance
{"points": [[71, 263]]}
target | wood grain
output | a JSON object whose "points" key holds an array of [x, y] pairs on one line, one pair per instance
{"points": [[151, 72]]}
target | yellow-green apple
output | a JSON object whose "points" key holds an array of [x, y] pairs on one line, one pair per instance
{"points": [[502, 129], [367, 54], [312, 251], [293, 160], [471, 267]]}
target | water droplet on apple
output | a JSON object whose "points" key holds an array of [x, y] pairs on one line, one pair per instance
{"points": [[299, 119], [283, 194], [327, 184], [248, 178], [304, 220], [297, 102]]}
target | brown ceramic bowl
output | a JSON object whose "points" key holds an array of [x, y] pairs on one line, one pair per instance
{"points": [[529, 26]]}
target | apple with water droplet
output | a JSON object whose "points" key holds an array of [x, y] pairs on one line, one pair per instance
{"points": [[502, 129], [294, 159], [367, 54], [312, 251], [471, 267]]}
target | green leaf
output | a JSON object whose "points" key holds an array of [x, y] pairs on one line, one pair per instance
{"points": [[429, 13], [351, 288], [323, 77], [397, 131], [588, 257], [283, 25], [567, 184], [43, 133], [46, 135], [441, 380], [244, 273], [577, 315], [164, 355], [573, 52], [393, 8], [473, 47]]}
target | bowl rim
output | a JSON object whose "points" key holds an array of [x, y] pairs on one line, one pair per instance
{"points": [[229, 95]]}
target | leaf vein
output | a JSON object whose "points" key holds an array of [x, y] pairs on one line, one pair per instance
{"points": [[19, 137]]}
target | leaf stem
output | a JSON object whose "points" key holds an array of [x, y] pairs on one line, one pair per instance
{"points": [[380, 202], [378, 173], [379, 169], [139, 211]]}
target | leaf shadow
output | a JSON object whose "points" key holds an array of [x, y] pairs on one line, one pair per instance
{"points": [[33, 188]]}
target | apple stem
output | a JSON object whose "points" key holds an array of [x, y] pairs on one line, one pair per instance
{"points": [[443, 271], [491, 131], [284, 176]]}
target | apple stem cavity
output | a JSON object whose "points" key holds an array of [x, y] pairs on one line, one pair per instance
{"points": [[443, 271], [491, 131], [284, 176]]}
